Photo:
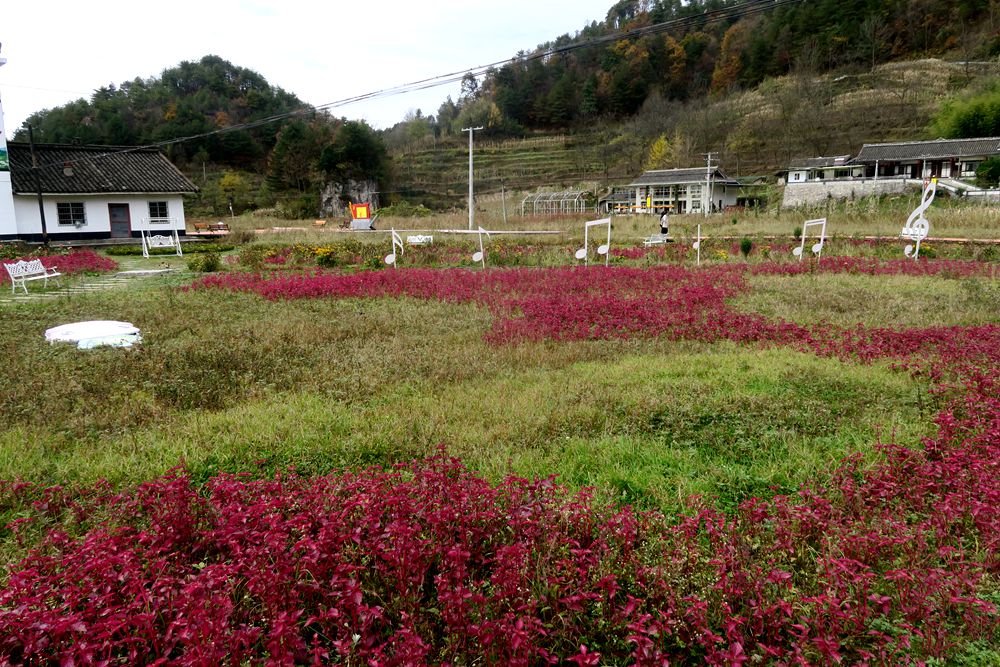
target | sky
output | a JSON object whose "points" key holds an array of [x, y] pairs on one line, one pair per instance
{"points": [[59, 51]]}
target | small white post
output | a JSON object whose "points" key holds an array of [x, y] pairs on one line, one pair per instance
{"points": [[697, 245]]}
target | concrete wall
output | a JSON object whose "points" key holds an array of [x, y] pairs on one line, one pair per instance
{"points": [[8, 219], [816, 193], [96, 212]]}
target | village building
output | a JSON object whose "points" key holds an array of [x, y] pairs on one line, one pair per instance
{"points": [[891, 168], [90, 192], [822, 169], [941, 158], [676, 191]]}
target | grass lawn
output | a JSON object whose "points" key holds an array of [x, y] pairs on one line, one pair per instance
{"points": [[229, 382], [233, 382]]}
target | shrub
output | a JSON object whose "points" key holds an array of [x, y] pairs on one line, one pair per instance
{"points": [[405, 210], [205, 263], [988, 173], [189, 248], [746, 245]]}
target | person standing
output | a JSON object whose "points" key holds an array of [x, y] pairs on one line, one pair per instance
{"points": [[664, 222]]}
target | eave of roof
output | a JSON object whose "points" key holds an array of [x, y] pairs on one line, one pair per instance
{"points": [[680, 177]]}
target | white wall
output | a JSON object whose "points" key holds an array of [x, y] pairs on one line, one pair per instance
{"points": [[96, 212], [8, 219]]}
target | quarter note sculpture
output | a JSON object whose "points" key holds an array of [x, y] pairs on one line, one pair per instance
{"points": [[697, 245], [604, 249], [917, 226], [817, 248], [397, 242], [481, 255]]}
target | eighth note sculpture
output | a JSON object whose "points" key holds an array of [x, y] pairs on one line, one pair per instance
{"points": [[605, 249], [481, 255], [397, 242], [697, 245], [817, 248], [917, 226]]}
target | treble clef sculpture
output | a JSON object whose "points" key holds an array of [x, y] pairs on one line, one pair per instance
{"points": [[917, 226]]}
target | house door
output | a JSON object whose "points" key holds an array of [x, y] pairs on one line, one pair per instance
{"points": [[121, 222]]}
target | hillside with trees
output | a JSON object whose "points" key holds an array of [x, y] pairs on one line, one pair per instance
{"points": [[758, 82], [191, 99]]}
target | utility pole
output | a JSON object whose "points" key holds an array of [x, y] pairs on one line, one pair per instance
{"points": [[708, 179], [38, 184], [471, 131]]}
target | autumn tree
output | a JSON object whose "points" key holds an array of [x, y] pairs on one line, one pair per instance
{"points": [[659, 152]]}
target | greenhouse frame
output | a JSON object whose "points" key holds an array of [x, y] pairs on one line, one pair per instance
{"points": [[555, 203]]}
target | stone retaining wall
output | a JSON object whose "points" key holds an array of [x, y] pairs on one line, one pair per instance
{"points": [[816, 193]]}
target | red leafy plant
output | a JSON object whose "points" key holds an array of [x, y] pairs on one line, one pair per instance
{"points": [[77, 261], [428, 563]]}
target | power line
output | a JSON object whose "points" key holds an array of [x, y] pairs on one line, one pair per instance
{"points": [[731, 13]]}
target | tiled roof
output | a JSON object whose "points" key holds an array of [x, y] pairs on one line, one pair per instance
{"points": [[679, 176], [94, 170], [817, 162], [929, 150]]}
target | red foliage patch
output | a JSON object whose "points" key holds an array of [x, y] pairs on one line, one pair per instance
{"points": [[429, 563], [77, 261]]}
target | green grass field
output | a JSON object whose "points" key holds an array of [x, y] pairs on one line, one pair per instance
{"points": [[230, 382]]}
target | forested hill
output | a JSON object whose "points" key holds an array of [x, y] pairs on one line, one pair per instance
{"points": [[755, 81], [712, 47], [191, 99]]}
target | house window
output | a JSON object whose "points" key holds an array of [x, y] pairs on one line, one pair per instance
{"points": [[71, 213], [158, 211]]}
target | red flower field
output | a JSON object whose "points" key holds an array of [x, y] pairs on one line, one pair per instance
{"points": [[429, 563]]}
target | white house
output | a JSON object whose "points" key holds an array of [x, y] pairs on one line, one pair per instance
{"points": [[90, 192], [941, 158], [675, 190], [823, 169]]}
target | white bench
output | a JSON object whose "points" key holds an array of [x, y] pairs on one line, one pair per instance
{"points": [[25, 270], [159, 241], [655, 239], [420, 239]]}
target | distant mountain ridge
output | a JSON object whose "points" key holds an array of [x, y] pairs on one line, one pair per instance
{"points": [[758, 82]]}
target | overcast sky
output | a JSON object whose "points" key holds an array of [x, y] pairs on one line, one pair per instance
{"points": [[323, 52]]}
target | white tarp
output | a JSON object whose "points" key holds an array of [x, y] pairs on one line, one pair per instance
{"points": [[95, 334]]}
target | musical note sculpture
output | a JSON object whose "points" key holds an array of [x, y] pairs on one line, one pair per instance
{"points": [[817, 248], [604, 249], [917, 226], [697, 245], [397, 242], [481, 255]]}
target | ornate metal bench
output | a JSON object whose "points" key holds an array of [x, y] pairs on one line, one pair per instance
{"points": [[25, 270], [656, 239]]}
